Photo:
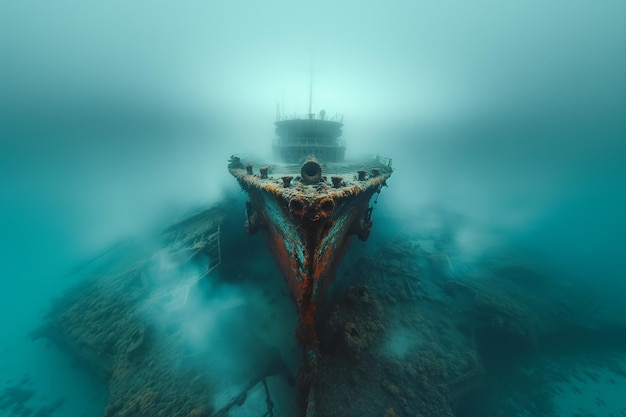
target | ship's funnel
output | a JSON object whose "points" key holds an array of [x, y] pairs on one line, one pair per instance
{"points": [[311, 172]]}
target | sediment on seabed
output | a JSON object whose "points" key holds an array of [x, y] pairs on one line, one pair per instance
{"points": [[410, 328]]}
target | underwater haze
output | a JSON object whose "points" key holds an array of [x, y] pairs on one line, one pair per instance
{"points": [[506, 119]]}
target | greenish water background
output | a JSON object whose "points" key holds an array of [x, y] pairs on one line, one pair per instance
{"points": [[116, 118]]}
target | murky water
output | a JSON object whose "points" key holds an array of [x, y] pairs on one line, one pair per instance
{"points": [[505, 123]]}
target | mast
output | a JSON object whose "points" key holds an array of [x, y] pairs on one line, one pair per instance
{"points": [[311, 89], [310, 114]]}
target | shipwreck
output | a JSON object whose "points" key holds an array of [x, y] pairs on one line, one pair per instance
{"points": [[309, 204]]}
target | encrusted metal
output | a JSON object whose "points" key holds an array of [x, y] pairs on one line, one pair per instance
{"points": [[309, 220]]}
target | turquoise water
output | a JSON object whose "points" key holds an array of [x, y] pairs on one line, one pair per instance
{"points": [[509, 118]]}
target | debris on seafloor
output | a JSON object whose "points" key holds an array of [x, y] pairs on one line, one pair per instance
{"points": [[418, 332], [126, 321]]}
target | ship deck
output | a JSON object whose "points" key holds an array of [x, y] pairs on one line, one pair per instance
{"points": [[347, 170], [344, 169]]}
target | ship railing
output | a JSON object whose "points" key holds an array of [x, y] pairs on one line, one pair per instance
{"points": [[175, 294], [311, 116], [310, 141], [383, 160]]}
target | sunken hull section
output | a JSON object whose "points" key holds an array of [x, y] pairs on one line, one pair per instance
{"points": [[310, 222]]}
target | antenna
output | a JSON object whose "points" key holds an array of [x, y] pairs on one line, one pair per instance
{"points": [[311, 89]]}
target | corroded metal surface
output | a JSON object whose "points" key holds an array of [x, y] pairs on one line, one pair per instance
{"points": [[309, 222]]}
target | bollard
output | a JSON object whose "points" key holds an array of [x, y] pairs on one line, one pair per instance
{"points": [[286, 180], [336, 181]]}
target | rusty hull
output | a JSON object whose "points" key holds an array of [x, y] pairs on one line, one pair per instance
{"points": [[309, 223]]}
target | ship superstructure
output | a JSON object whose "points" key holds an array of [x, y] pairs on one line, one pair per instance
{"points": [[299, 137]]}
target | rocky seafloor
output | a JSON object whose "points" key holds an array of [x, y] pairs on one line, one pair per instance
{"points": [[413, 326]]}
